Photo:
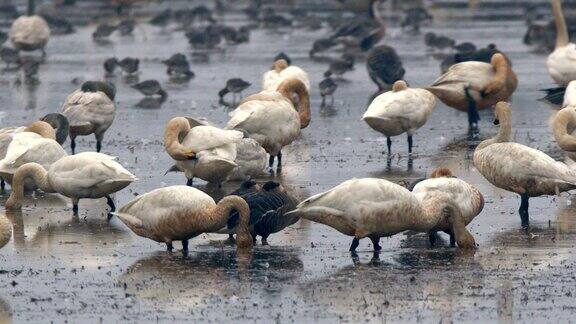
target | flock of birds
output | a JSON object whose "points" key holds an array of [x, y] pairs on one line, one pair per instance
{"points": [[262, 124]]}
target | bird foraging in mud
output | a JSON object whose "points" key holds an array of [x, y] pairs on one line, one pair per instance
{"points": [[178, 66], [234, 86], [179, 213], [327, 88], [150, 88]]}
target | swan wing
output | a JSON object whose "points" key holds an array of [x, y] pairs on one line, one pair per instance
{"points": [[202, 138], [30, 147], [477, 74]]}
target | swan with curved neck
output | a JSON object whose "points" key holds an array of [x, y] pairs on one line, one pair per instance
{"points": [[60, 123], [201, 150], [561, 63], [270, 117], [30, 32], [282, 71], [85, 175], [179, 213], [402, 110], [443, 187], [564, 122], [472, 86], [518, 168], [376, 208]]}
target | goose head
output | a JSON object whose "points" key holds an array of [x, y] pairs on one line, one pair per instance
{"points": [[60, 123]]}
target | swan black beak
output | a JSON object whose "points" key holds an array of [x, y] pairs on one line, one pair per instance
{"points": [[496, 122]]}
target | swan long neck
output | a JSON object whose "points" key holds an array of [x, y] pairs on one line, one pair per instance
{"points": [[463, 237], [32, 171], [293, 85], [504, 133], [563, 123], [176, 129], [562, 38], [222, 212], [43, 129]]}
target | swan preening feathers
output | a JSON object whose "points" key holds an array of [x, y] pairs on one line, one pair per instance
{"points": [[30, 32]]}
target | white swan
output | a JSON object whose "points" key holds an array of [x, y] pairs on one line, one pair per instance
{"points": [[564, 123], [402, 110], [85, 175], [472, 86], [561, 63], [27, 147], [29, 32], [90, 110], [378, 208], [518, 168], [442, 185], [251, 159], [281, 72], [5, 230], [179, 213], [201, 150], [270, 118]]}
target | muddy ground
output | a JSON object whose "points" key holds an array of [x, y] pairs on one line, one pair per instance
{"points": [[60, 268]]}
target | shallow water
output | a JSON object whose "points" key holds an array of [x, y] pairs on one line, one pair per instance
{"points": [[58, 267]]}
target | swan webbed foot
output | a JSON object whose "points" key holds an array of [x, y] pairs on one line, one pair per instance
{"points": [[354, 245], [524, 216], [376, 244]]}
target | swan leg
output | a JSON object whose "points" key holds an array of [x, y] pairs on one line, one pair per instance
{"points": [[389, 144], [410, 144], [112, 206], [185, 246], [524, 216], [75, 206], [279, 156], [452, 238], [230, 239], [264, 240], [189, 182], [354, 245], [473, 116], [376, 243], [432, 237], [2, 184], [169, 246], [271, 161], [73, 145], [98, 146]]}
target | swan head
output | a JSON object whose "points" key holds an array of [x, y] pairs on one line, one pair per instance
{"points": [[109, 89], [60, 123], [501, 112], [280, 65], [399, 86], [441, 173]]}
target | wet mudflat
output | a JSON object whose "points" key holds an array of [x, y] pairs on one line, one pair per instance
{"points": [[86, 269]]}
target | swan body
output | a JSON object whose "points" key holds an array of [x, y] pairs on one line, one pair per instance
{"points": [[28, 147], [5, 231], [90, 110], [561, 63], [447, 188], [518, 168], [85, 175], [251, 159], [29, 33], [377, 208], [402, 110], [564, 122], [214, 149], [270, 118], [179, 213], [280, 72]]}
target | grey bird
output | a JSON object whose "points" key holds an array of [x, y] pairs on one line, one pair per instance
{"points": [[234, 86], [110, 65], [327, 88], [150, 88], [103, 31], [129, 65], [177, 65]]}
